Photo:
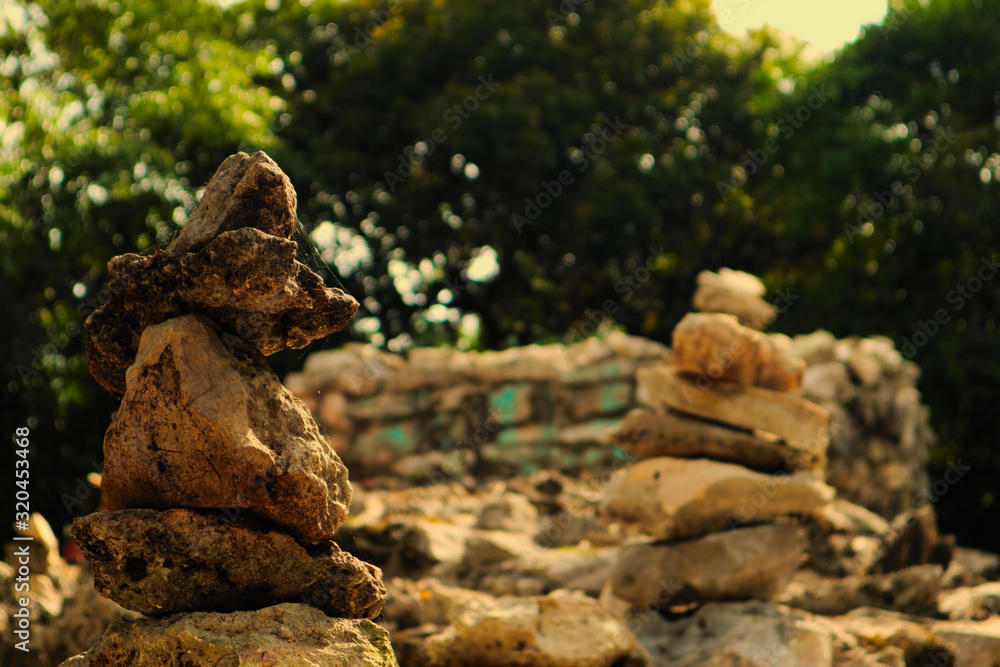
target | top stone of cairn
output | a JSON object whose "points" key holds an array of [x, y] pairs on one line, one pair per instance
{"points": [[233, 262], [246, 191]]}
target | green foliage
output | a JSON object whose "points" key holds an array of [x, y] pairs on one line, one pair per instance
{"points": [[889, 204], [438, 129]]}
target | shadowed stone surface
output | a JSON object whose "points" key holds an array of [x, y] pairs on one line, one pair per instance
{"points": [[912, 590], [245, 280], [285, 634], [245, 191], [160, 563], [646, 434], [202, 427]]}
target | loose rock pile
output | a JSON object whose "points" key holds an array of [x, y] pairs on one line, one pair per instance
{"points": [[727, 456], [224, 496]]}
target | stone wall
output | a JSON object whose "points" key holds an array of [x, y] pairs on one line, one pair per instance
{"points": [[443, 413], [440, 413], [880, 432]]}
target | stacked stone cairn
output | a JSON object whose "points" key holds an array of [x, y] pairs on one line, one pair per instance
{"points": [[223, 496], [727, 460]]}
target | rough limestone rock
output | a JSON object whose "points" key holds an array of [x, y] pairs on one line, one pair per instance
{"points": [[511, 512], [801, 424], [284, 634], [563, 629], [975, 603], [734, 292], [178, 560], [737, 634], [672, 498], [912, 590], [749, 563], [918, 642], [647, 433], [245, 280], [714, 346], [245, 191], [545, 570], [201, 427], [976, 643]]}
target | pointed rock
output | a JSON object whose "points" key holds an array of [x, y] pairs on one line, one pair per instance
{"points": [[245, 280], [201, 427], [245, 191]]}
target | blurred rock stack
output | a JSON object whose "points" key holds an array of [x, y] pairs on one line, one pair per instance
{"points": [[729, 457], [224, 496], [436, 414]]}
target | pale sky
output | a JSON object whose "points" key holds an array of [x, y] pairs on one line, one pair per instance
{"points": [[825, 24]]}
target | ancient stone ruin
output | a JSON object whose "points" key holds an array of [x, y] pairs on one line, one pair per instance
{"points": [[223, 495]]}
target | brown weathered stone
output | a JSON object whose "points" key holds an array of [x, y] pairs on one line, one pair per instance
{"points": [[244, 280], [671, 498], [245, 191], [648, 434], [562, 629], [913, 539], [178, 560], [201, 427], [755, 562], [284, 634], [714, 346]]}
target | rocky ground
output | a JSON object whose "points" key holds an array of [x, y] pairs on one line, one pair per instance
{"points": [[530, 571]]}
